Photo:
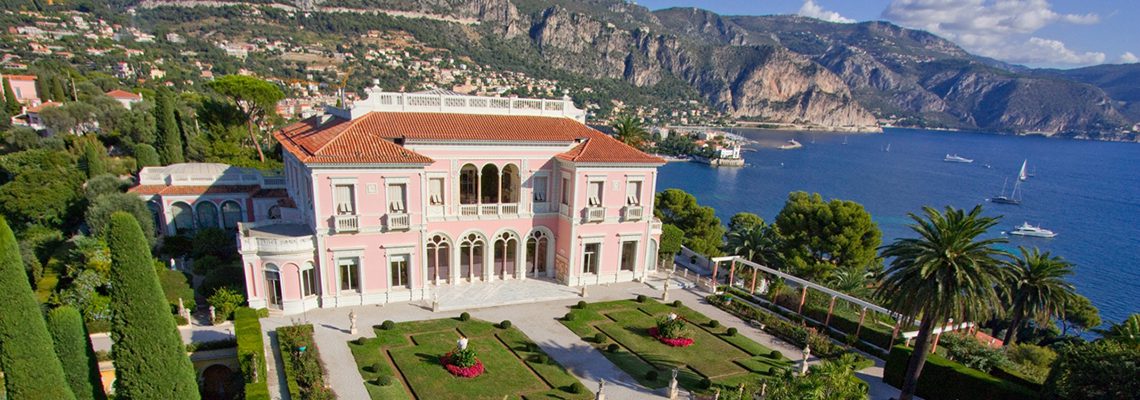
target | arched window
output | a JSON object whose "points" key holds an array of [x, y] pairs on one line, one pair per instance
{"points": [[471, 250], [489, 184], [438, 259], [510, 184], [155, 214], [183, 217], [231, 214], [537, 248], [506, 252], [469, 185], [207, 214]]}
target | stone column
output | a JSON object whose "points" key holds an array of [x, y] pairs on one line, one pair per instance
{"points": [[665, 293]]}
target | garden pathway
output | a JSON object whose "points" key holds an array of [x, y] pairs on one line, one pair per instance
{"points": [[539, 321]]}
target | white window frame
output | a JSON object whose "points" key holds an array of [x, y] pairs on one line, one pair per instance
{"points": [[407, 260], [437, 199], [355, 195], [343, 255], [396, 205], [545, 188], [633, 264], [600, 200], [634, 199], [597, 257], [565, 191], [314, 286]]}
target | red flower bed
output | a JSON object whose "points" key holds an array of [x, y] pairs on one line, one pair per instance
{"points": [[675, 342], [462, 372]]}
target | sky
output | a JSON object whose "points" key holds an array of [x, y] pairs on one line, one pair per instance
{"points": [[1037, 33]]}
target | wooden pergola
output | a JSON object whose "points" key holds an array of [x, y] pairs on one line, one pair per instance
{"points": [[804, 285]]}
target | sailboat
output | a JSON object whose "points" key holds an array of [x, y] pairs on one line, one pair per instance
{"points": [[1014, 197], [887, 149], [844, 139], [1022, 175]]}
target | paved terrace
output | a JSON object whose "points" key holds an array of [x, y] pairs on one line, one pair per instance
{"points": [[536, 318]]}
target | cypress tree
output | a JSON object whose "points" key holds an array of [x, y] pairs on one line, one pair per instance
{"points": [[150, 359], [146, 156], [75, 352], [57, 91], [10, 102], [169, 136], [92, 161], [31, 369]]}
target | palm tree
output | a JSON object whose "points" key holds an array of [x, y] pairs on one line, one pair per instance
{"points": [[1036, 288], [756, 243], [630, 130], [1127, 331], [947, 272]]}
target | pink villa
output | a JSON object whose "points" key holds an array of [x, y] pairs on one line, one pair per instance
{"points": [[24, 87], [407, 193]]}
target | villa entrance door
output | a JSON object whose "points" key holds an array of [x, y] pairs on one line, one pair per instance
{"points": [[273, 291]]}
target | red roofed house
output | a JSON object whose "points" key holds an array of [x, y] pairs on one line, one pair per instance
{"points": [[24, 87], [127, 99], [407, 194]]}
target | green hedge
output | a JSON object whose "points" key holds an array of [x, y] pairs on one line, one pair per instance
{"points": [[790, 332], [943, 379], [251, 353]]}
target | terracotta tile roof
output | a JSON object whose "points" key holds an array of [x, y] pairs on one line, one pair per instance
{"points": [[370, 139], [602, 148], [123, 94], [341, 141], [192, 190], [40, 107], [21, 77]]}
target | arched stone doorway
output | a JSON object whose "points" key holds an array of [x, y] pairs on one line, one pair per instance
{"points": [[219, 382]]}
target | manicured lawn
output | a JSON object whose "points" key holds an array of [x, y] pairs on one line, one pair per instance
{"points": [[726, 361], [410, 351]]}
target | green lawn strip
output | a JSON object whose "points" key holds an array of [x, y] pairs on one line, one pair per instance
{"points": [[369, 354], [512, 369], [504, 373], [726, 360]]}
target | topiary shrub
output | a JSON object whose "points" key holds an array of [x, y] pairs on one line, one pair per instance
{"points": [[568, 317], [599, 338], [581, 305], [506, 324], [676, 303], [714, 323], [613, 348], [359, 341], [705, 383], [388, 325], [376, 368], [464, 317], [775, 355], [578, 388], [641, 298], [651, 375], [384, 380], [731, 332]]}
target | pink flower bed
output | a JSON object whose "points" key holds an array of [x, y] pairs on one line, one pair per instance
{"points": [[462, 372], [675, 342]]}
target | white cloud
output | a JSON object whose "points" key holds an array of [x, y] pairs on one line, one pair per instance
{"points": [[1128, 58], [1000, 29], [812, 10]]}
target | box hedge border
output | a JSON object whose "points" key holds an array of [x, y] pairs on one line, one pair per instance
{"points": [[943, 379]]}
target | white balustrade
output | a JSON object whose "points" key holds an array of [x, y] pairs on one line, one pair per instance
{"points": [[509, 209], [426, 102], [468, 210], [632, 213], [399, 221], [489, 209], [346, 223], [595, 214]]}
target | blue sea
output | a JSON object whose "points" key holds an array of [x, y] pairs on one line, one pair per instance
{"points": [[1088, 192]]}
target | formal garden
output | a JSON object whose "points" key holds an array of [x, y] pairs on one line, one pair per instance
{"points": [[648, 339], [425, 360]]}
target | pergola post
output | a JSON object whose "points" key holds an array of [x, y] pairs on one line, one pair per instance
{"points": [[830, 308], [862, 315], [895, 332], [803, 299], [755, 272], [732, 273], [938, 335], [714, 268]]}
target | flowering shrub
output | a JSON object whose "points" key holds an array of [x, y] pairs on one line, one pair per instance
{"points": [[675, 342], [671, 327], [462, 363]]}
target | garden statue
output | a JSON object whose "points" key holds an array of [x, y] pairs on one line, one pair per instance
{"points": [[673, 385], [352, 322], [665, 294], [672, 316], [213, 317], [804, 365], [462, 343]]}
